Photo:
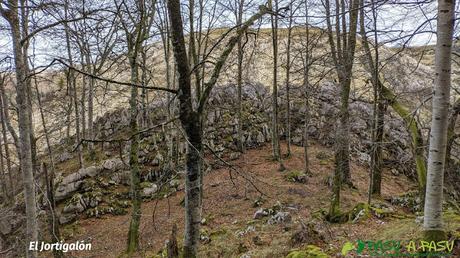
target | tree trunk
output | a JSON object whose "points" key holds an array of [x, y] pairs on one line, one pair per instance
{"points": [[379, 107], [45, 128], [191, 119], [432, 223], [451, 136], [133, 234], [72, 83], [6, 116], [288, 74], [191, 123], [2, 171], [275, 130], [25, 145], [343, 52], [5, 137], [239, 17], [417, 145], [53, 225], [306, 85]]}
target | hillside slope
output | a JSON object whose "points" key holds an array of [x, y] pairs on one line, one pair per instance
{"points": [[230, 202]]}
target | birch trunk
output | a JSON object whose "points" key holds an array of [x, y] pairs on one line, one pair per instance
{"points": [[438, 136]]}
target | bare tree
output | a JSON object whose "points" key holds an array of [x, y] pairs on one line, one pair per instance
{"points": [[136, 28], [432, 222], [11, 11], [191, 118], [343, 52]]}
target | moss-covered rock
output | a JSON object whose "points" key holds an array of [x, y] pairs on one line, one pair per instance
{"points": [[296, 176], [409, 200], [359, 212]]}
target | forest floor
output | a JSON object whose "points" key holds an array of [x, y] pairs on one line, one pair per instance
{"points": [[229, 226]]}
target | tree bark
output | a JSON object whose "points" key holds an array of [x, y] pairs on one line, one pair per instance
{"points": [[72, 83], [25, 144], [307, 88], [133, 234], [275, 129], [417, 145], [343, 52], [53, 225], [3, 112], [239, 18], [191, 119], [288, 81], [432, 223], [379, 107]]}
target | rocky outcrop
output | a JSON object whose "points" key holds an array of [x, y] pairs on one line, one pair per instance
{"points": [[72, 183]]}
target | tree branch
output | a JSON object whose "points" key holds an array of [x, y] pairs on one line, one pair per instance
{"points": [[106, 79], [223, 57]]}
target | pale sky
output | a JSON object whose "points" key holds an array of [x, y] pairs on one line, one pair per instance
{"points": [[393, 22]]}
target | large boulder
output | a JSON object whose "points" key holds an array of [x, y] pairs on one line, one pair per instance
{"points": [[64, 191], [81, 202], [121, 177], [149, 190], [75, 205], [73, 182], [113, 164], [65, 218], [5, 227]]}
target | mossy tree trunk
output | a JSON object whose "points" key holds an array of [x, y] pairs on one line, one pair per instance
{"points": [[413, 128], [239, 81], [288, 80], [343, 52], [136, 34], [275, 126], [432, 222], [306, 83], [379, 107], [133, 233], [191, 119]]}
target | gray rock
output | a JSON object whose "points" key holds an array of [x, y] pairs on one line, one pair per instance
{"points": [[82, 173], [75, 205], [113, 164], [67, 218], [260, 213], [175, 184], [280, 217], [297, 140], [63, 157], [5, 227], [260, 137], [65, 191], [364, 158], [234, 155], [121, 177], [157, 160], [148, 191]]}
